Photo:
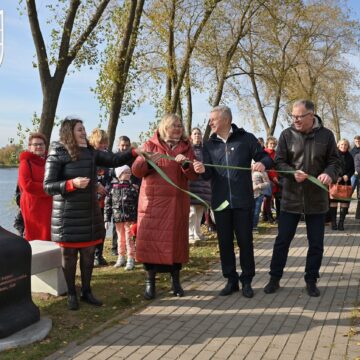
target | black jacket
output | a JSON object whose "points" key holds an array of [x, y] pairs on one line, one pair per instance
{"points": [[347, 167], [354, 151], [121, 203], [76, 215], [357, 163], [314, 153], [200, 186], [235, 186]]}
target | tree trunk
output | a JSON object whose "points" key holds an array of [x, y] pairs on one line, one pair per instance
{"points": [[52, 85], [271, 130], [170, 58], [336, 124], [258, 101], [124, 58], [189, 113], [186, 60], [50, 101], [216, 102]]}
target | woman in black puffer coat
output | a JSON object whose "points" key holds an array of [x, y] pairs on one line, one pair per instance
{"points": [[77, 224], [199, 187]]}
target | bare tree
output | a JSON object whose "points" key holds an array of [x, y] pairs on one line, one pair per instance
{"points": [[231, 21], [123, 60], [68, 50]]}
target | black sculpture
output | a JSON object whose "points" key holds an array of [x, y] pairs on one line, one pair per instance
{"points": [[17, 309]]}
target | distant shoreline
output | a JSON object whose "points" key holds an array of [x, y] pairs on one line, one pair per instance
{"points": [[8, 166]]}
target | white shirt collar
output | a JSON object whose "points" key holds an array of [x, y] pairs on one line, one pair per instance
{"points": [[225, 140]]}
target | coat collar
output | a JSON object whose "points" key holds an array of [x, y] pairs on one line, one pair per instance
{"points": [[235, 130], [29, 156], [181, 148]]}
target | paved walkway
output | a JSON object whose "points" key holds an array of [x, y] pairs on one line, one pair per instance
{"points": [[286, 325]]}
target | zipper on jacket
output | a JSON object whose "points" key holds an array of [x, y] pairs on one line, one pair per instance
{"points": [[122, 203], [228, 172]]}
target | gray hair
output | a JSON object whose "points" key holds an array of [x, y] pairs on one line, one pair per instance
{"points": [[308, 104], [224, 111]]}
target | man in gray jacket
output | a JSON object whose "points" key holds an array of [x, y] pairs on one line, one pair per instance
{"points": [[308, 148]]}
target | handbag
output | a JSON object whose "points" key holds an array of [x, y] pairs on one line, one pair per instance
{"points": [[340, 192]]}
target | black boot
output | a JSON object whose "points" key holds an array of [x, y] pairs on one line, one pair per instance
{"points": [[312, 289], [88, 297], [72, 302], [333, 212], [357, 214], [272, 286], [343, 212], [176, 286], [150, 285], [99, 259]]}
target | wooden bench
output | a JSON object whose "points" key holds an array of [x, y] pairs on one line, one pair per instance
{"points": [[46, 272]]}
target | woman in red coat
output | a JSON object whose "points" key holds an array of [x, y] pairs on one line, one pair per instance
{"points": [[162, 241], [35, 204]]}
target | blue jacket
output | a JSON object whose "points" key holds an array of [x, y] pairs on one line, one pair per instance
{"points": [[235, 186], [200, 186]]}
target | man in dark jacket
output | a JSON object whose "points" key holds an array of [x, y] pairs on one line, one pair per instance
{"points": [[307, 148], [229, 145], [354, 151]]}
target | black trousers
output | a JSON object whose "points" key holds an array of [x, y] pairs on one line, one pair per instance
{"points": [[315, 227], [100, 247], [69, 260], [114, 239], [239, 221]]}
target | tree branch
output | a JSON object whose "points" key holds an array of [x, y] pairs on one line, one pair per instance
{"points": [[92, 24], [63, 60], [40, 47]]}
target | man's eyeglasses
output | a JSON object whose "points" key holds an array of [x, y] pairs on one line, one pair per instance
{"points": [[37, 144], [299, 117]]}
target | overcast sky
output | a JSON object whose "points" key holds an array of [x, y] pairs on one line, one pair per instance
{"points": [[20, 91]]}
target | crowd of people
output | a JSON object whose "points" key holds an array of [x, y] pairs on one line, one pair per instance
{"points": [[72, 193]]}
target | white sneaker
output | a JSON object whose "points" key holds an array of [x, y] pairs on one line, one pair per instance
{"points": [[121, 261], [130, 265]]}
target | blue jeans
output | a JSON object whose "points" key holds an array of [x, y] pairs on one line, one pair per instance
{"points": [[355, 183], [257, 209], [315, 226]]}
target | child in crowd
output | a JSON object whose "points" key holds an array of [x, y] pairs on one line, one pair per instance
{"points": [[99, 140], [260, 182], [121, 204]]}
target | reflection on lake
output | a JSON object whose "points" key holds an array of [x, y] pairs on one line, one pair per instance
{"points": [[8, 208]]}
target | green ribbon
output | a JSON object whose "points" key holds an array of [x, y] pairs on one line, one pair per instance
{"points": [[225, 204], [222, 206]]}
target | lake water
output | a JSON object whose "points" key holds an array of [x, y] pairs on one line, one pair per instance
{"points": [[8, 207]]}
